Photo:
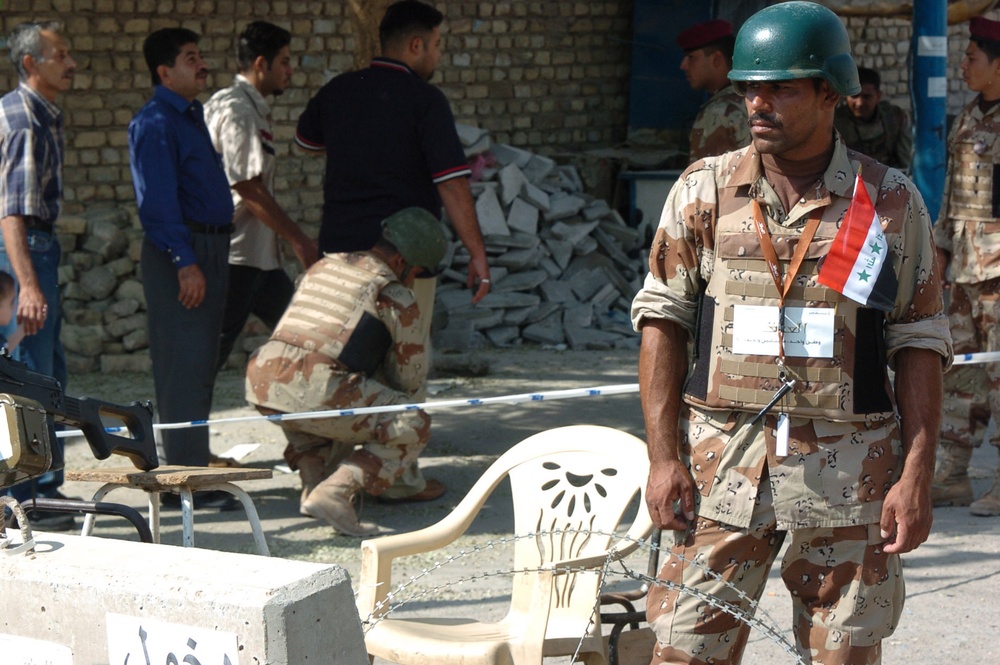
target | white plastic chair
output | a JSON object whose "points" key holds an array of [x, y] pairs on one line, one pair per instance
{"points": [[571, 486]]}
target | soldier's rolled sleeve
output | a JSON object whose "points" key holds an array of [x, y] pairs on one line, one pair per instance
{"points": [[918, 319], [656, 301], [932, 334]]}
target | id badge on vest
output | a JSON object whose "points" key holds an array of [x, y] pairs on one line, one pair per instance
{"points": [[808, 331]]}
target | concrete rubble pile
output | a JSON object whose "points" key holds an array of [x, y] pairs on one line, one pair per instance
{"points": [[564, 266]]}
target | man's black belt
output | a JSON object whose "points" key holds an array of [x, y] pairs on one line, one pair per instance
{"points": [[38, 224], [210, 229]]}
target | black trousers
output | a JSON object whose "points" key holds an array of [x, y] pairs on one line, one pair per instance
{"points": [[184, 343], [263, 293]]}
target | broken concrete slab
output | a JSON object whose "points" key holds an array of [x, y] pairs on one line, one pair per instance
{"points": [[515, 316], [512, 181], [543, 311], [538, 167], [555, 290], [523, 217], [492, 220], [578, 314], [516, 240], [586, 283], [520, 259], [551, 267], [508, 154], [509, 299], [547, 331], [503, 335], [560, 250], [573, 233], [535, 196], [588, 338], [562, 206], [520, 281]]}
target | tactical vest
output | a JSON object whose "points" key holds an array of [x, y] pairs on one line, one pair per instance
{"points": [[334, 313], [974, 178], [825, 387]]}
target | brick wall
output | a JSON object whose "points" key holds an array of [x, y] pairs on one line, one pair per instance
{"points": [[884, 45], [542, 75]]}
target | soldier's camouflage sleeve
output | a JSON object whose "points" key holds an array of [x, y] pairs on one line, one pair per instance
{"points": [[405, 366], [682, 254], [918, 319], [721, 125]]}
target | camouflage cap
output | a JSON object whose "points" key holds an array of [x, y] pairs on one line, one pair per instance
{"points": [[417, 236]]}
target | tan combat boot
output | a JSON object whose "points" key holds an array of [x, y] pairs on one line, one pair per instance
{"points": [[989, 505], [951, 486], [331, 501], [312, 471]]}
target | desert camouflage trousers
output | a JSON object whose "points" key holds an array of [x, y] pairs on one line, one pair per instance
{"points": [[972, 392], [390, 442], [847, 595]]}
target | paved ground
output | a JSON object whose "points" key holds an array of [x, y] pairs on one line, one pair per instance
{"points": [[952, 613]]}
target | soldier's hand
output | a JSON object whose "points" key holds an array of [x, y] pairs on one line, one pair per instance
{"points": [[906, 516], [670, 487], [192, 286]]}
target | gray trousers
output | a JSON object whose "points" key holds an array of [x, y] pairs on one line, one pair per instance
{"points": [[184, 343]]}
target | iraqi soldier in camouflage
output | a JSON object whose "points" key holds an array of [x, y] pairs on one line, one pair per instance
{"points": [[721, 123], [873, 126], [967, 234], [351, 337], [828, 466]]}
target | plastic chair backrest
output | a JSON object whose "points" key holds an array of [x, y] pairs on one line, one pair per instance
{"points": [[571, 488]]}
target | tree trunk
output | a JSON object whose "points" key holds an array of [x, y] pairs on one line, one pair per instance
{"points": [[366, 15]]}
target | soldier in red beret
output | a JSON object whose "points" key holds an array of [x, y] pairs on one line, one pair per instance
{"points": [[968, 242], [721, 123]]}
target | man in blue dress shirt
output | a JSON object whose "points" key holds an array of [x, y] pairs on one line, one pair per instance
{"points": [[186, 211]]}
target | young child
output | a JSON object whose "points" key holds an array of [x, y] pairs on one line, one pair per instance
{"points": [[7, 294]]}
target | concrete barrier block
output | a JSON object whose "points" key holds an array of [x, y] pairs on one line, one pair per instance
{"points": [[275, 611]]}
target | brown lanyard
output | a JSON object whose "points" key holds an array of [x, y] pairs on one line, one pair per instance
{"points": [[771, 257]]}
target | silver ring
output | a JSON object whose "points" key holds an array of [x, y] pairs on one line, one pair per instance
{"points": [[484, 281]]}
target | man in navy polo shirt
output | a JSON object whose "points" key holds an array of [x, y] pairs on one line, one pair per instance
{"points": [[186, 212], [390, 142]]}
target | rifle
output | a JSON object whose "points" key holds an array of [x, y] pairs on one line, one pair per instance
{"points": [[30, 405]]}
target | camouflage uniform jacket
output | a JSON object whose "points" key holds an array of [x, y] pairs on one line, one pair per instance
{"points": [[836, 473], [337, 279], [886, 137], [720, 126], [969, 224]]}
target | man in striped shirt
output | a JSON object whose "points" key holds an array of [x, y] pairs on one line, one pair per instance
{"points": [[31, 190]]}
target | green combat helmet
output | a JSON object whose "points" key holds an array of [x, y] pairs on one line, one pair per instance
{"points": [[795, 40], [417, 236]]}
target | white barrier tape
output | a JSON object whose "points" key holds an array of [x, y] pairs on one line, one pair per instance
{"points": [[620, 389], [976, 358], [596, 391]]}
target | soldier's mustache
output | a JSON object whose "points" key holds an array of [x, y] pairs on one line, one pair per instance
{"points": [[764, 119]]}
